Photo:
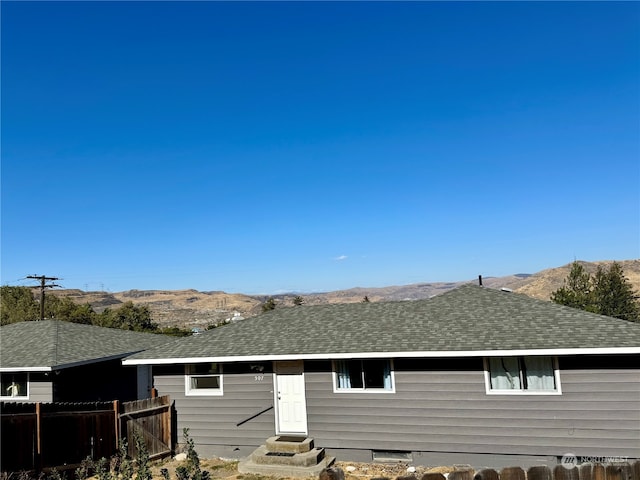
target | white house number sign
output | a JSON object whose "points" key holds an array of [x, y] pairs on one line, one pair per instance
{"points": [[258, 369]]}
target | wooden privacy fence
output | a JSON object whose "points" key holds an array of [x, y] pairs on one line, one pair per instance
{"points": [[44, 435], [587, 471], [152, 420]]}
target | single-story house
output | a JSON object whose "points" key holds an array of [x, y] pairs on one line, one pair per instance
{"points": [[56, 361], [473, 376]]}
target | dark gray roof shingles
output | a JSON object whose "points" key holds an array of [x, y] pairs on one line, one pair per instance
{"points": [[469, 318], [53, 343]]}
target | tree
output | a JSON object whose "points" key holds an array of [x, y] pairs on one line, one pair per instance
{"points": [[366, 299], [270, 304], [608, 292], [17, 305], [128, 317], [613, 294], [298, 300], [63, 308], [576, 289]]}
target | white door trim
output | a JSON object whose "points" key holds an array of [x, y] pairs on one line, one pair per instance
{"points": [[290, 375]]}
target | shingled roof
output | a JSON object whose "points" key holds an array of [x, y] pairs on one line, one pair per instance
{"points": [[53, 345], [468, 321]]}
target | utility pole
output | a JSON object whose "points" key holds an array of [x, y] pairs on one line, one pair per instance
{"points": [[43, 284]]}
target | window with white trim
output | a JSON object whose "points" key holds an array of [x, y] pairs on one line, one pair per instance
{"points": [[15, 386], [530, 374], [363, 375], [203, 379]]}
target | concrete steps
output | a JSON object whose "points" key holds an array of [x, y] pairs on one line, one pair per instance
{"points": [[286, 456]]}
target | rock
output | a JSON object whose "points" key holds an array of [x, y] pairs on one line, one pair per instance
{"points": [[351, 468], [332, 473], [180, 457], [411, 470]]}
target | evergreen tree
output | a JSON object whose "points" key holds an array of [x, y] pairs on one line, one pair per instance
{"points": [[613, 294], [576, 289], [270, 304], [608, 292]]}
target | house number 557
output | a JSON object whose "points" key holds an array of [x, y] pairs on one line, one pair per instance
{"points": [[258, 378]]}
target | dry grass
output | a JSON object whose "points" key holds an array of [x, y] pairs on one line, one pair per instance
{"points": [[228, 470]]}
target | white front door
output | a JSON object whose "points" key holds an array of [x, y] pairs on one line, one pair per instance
{"points": [[291, 406]]}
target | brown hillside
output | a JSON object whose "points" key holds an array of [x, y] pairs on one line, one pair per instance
{"points": [[542, 284], [194, 309]]}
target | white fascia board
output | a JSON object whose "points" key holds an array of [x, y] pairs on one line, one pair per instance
{"points": [[340, 356], [62, 366], [25, 369]]}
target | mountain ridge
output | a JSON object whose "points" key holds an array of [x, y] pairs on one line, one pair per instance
{"points": [[190, 308]]}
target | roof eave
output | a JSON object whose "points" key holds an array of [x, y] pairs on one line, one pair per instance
{"points": [[430, 354], [25, 369], [63, 366]]}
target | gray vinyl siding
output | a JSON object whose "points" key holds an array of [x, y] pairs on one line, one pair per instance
{"points": [[40, 389], [439, 408], [212, 420], [439, 405]]}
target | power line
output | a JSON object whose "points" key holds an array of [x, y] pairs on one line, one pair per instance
{"points": [[43, 284]]}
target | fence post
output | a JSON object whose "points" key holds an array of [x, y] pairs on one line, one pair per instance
{"points": [[116, 423], [169, 420], [38, 459]]}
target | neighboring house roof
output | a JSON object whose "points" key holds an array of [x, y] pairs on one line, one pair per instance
{"points": [[468, 321], [53, 345]]}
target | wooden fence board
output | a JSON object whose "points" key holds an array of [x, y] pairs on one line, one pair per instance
{"points": [[151, 420], [560, 472], [45, 435], [635, 469], [598, 472], [586, 471], [486, 474], [462, 474], [18, 442], [539, 473], [433, 476], [618, 472]]}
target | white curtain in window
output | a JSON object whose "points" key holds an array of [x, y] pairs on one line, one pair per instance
{"points": [[539, 371], [505, 373], [387, 375], [342, 374]]}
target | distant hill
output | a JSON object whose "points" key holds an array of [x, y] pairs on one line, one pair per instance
{"points": [[543, 283], [192, 308]]}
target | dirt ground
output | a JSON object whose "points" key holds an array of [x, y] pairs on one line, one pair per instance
{"points": [[228, 470]]}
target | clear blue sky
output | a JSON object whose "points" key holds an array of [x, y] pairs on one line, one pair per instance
{"points": [[268, 147]]}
